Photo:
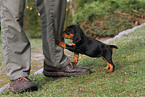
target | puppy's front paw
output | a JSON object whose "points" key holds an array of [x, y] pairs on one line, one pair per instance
{"points": [[60, 43]]}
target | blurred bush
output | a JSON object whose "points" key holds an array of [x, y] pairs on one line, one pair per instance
{"points": [[32, 22], [100, 18]]}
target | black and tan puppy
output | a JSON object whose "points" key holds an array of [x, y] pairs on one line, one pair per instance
{"points": [[86, 45]]}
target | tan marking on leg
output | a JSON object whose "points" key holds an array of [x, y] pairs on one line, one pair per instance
{"points": [[62, 44], [76, 56], [106, 68], [111, 68], [108, 65]]}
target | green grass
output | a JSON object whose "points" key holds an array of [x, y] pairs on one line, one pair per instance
{"points": [[128, 79]]}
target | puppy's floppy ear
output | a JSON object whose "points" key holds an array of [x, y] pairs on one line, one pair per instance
{"points": [[77, 35]]}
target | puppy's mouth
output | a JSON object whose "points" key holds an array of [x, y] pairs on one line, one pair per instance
{"points": [[70, 36]]}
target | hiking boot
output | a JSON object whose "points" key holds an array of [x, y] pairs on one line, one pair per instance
{"points": [[22, 84], [65, 71]]}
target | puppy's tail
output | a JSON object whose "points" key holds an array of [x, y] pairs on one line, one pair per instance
{"points": [[113, 46]]}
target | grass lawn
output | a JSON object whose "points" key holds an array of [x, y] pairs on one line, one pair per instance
{"points": [[128, 79]]}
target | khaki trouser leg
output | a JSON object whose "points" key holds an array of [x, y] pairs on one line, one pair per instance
{"points": [[0, 13], [53, 15], [16, 46]]}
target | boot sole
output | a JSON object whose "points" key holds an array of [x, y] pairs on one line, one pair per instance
{"points": [[60, 74], [28, 89]]}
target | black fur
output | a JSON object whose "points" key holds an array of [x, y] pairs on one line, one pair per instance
{"points": [[89, 46]]}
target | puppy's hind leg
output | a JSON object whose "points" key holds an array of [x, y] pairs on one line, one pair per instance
{"points": [[107, 67], [109, 64]]}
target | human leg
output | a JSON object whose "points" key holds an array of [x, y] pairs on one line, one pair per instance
{"points": [[16, 46], [53, 16], [56, 63]]}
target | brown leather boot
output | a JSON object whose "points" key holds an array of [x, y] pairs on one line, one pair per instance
{"points": [[65, 71], [23, 84]]}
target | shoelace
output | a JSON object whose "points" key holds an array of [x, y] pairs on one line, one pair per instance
{"points": [[25, 79]]}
